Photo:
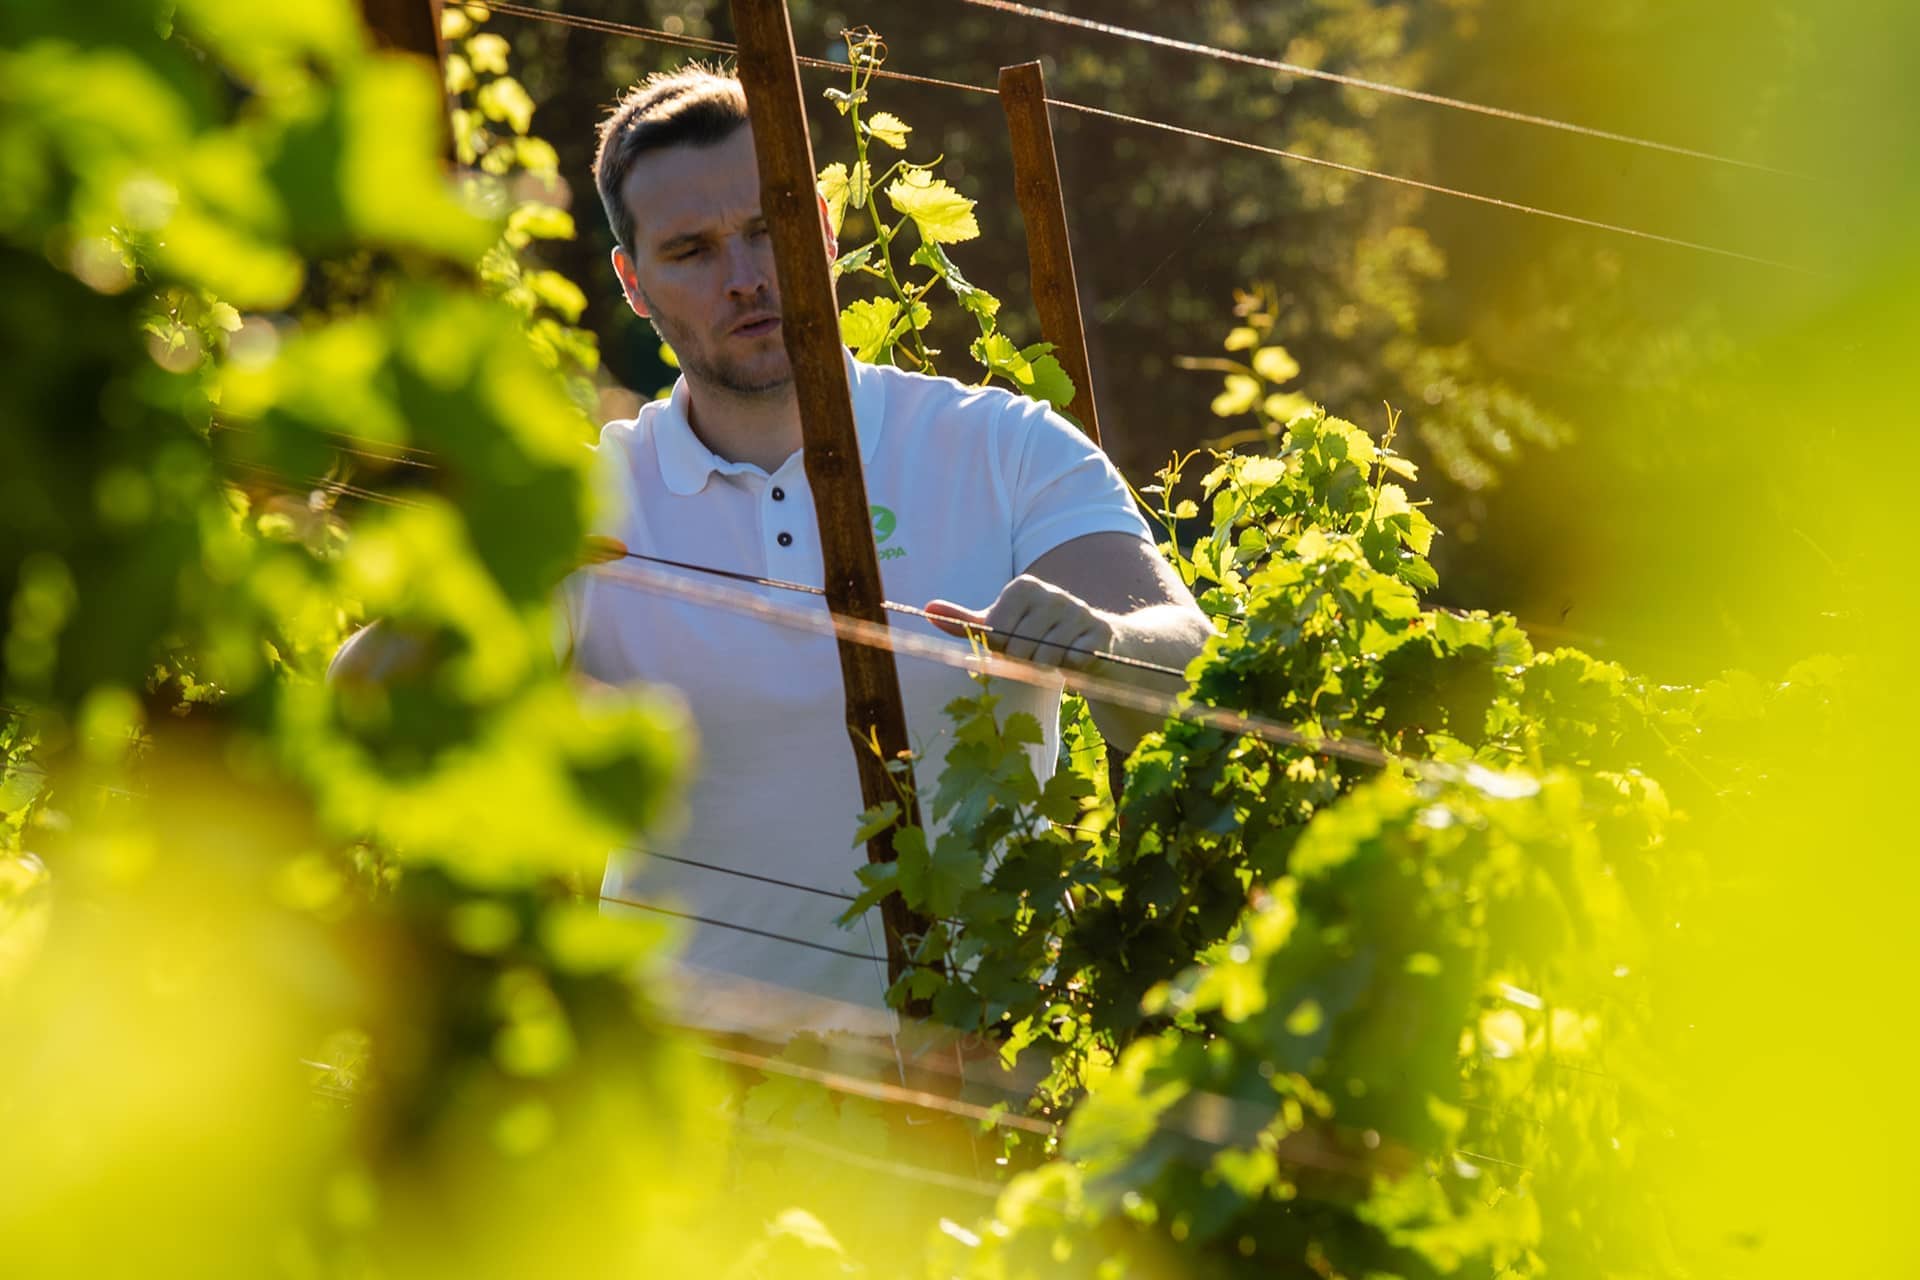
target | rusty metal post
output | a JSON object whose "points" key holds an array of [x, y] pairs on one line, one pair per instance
{"points": [[810, 325], [1036, 182]]}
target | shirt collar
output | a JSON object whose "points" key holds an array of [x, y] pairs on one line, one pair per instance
{"points": [[686, 464]]}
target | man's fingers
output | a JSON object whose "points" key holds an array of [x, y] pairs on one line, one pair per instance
{"points": [[955, 619], [1068, 641], [1030, 621], [1019, 631]]}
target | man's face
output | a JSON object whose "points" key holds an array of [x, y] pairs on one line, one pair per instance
{"points": [[702, 264]]}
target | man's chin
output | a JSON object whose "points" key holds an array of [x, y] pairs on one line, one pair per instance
{"points": [[756, 382], [742, 382]]}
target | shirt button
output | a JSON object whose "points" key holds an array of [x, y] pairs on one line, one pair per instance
{"points": [[779, 494], [785, 539]]}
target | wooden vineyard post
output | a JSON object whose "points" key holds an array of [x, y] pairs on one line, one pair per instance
{"points": [[810, 326], [413, 26], [1036, 183], [406, 26], [1056, 293]]}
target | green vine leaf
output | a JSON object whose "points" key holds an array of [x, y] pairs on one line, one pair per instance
{"points": [[983, 305], [1241, 394], [1031, 368], [888, 128], [488, 52], [865, 324], [1275, 365], [507, 101], [943, 215]]}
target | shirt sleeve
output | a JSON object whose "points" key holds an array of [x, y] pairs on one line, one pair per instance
{"points": [[1060, 486]]}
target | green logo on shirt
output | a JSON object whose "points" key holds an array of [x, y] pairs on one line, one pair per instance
{"points": [[884, 523]]}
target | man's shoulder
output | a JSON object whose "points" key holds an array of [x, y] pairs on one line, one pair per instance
{"points": [[934, 397], [623, 434], [921, 404]]}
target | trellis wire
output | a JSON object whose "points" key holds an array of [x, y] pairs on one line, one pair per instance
{"points": [[775, 881], [1373, 86], [1498, 202], [718, 923], [1093, 687], [293, 485], [976, 659], [907, 610], [606, 27]]}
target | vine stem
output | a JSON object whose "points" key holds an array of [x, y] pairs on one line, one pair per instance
{"points": [[883, 234]]}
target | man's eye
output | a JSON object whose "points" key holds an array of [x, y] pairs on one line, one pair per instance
{"points": [[692, 252]]}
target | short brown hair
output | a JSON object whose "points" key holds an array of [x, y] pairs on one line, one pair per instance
{"points": [[697, 106]]}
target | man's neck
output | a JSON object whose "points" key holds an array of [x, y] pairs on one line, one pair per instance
{"points": [[762, 429]]}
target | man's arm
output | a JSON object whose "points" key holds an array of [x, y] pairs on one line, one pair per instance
{"points": [[1104, 592]]}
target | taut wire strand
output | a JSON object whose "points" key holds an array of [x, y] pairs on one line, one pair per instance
{"points": [[1376, 86], [608, 27], [907, 610], [986, 662], [775, 881], [1435, 188], [655, 907], [977, 659], [604, 27]]}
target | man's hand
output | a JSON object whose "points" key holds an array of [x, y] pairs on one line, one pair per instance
{"points": [[1101, 593], [1034, 620]]}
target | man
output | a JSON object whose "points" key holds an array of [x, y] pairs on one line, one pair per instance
{"points": [[991, 509]]}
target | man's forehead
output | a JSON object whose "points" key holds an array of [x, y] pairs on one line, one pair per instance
{"points": [[682, 189]]}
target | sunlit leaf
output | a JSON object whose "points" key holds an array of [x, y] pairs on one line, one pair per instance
{"points": [[888, 128], [943, 215]]}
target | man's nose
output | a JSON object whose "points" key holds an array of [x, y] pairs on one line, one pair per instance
{"points": [[749, 268]]}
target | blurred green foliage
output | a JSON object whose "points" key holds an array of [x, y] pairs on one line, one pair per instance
{"points": [[1593, 975], [238, 275]]}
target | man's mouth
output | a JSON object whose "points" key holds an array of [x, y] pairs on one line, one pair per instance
{"points": [[755, 325]]}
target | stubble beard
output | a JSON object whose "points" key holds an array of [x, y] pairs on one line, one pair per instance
{"points": [[718, 371]]}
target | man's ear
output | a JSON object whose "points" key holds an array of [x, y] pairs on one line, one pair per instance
{"points": [[629, 282], [826, 229]]}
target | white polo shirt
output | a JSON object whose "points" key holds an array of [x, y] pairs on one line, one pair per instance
{"points": [[969, 486]]}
